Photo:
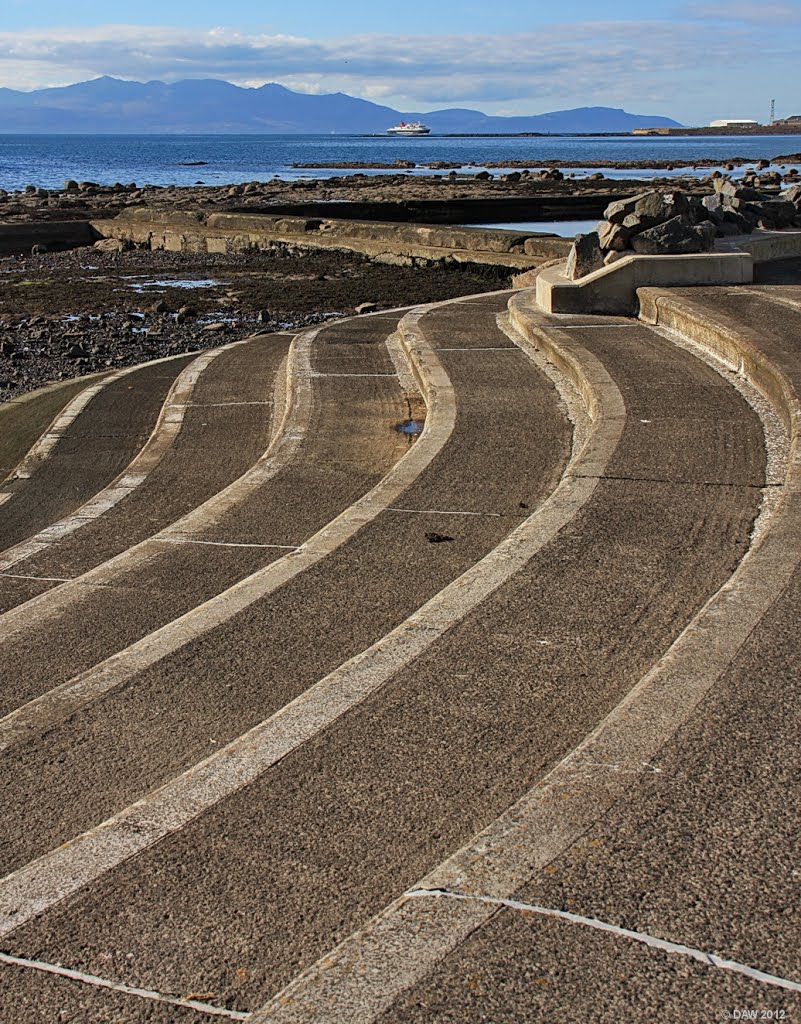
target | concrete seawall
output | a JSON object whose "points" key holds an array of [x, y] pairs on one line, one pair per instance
{"points": [[51, 235], [387, 242]]}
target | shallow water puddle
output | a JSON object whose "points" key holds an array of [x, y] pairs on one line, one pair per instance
{"points": [[139, 285], [410, 427]]}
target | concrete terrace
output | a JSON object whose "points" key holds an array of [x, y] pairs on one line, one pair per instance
{"points": [[432, 665]]}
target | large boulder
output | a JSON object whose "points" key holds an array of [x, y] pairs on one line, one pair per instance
{"points": [[776, 212], [616, 212], [585, 256], [658, 207], [675, 237], [714, 207], [730, 188], [613, 236]]}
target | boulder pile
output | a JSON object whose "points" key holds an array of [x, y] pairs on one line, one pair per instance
{"points": [[673, 223]]}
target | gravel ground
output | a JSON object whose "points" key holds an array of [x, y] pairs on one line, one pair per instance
{"points": [[67, 314]]}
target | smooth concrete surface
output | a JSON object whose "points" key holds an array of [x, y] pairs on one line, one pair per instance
{"points": [[613, 289], [680, 857], [330, 612], [225, 429], [526, 967], [23, 420], [98, 445], [350, 443]]}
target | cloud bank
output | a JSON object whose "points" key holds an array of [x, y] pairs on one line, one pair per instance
{"points": [[603, 63]]}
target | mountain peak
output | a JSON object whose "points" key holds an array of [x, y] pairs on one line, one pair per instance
{"points": [[214, 106]]}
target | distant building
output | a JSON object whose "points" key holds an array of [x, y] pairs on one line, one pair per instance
{"points": [[734, 122], [794, 120]]}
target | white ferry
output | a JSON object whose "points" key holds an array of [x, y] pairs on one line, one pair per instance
{"points": [[414, 128]]}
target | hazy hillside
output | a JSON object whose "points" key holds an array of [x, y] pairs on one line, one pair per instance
{"points": [[208, 106]]}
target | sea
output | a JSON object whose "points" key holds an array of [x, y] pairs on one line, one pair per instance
{"points": [[48, 160]]}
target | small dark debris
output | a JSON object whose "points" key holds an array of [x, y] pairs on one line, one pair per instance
{"points": [[437, 538], [522, 504]]}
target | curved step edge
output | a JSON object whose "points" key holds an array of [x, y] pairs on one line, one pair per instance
{"points": [[165, 431], [46, 881], [360, 978]]}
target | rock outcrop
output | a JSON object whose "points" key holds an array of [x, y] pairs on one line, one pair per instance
{"points": [[674, 223]]}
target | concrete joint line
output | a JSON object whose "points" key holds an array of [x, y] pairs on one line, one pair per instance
{"points": [[665, 945], [167, 428], [221, 405], [43, 579], [223, 543], [116, 986], [51, 878], [447, 512], [369, 970], [114, 671], [321, 373]]}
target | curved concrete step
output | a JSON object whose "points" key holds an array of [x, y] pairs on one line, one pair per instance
{"points": [[89, 450], [27, 420], [464, 725], [247, 526], [462, 729], [650, 831], [215, 424], [282, 635]]}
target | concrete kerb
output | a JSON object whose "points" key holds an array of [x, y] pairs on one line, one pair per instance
{"points": [[730, 341], [613, 289], [365, 974]]}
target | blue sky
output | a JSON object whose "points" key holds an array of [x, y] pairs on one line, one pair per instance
{"points": [[694, 62]]}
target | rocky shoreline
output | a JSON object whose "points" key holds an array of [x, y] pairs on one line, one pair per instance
{"points": [[90, 200], [68, 314]]}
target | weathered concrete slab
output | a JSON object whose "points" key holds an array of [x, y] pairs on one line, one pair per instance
{"points": [[385, 241], [613, 289]]}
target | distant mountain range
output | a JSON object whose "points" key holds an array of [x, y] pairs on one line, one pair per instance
{"points": [[212, 107]]}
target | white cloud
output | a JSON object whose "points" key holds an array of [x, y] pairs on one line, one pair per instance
{"points": [[561, 65]]}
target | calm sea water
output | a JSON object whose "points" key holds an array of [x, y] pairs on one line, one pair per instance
{"points": [[47, 160]]}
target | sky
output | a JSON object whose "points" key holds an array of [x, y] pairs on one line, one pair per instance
{"points": [[694, 62]]}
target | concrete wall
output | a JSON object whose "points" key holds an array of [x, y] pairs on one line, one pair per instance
{"points": [[19, 239], [388, 242], [453, 211], [614, 289]]}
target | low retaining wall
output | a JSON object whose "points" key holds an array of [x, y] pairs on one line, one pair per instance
{"points": [[613, 289], [19, 239], [387, 242], [452, 211]]}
